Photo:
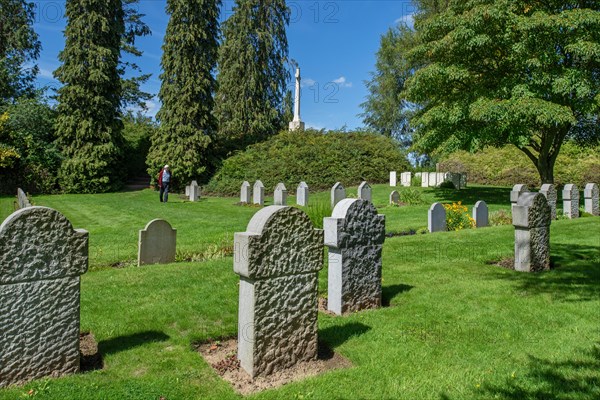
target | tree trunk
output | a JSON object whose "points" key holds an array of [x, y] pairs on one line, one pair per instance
{"points": [[545, 167]]}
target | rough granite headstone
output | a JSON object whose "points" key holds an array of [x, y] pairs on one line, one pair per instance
{"points": [[258, 193], [481, 214], [590, 194], [22, 199], [338, 193], [194, 191], [302, 194], [394, 197], [278, 259], [245, 192], [436, 218], [354, 235], [41, 260], [516, 192], [570, 196], [157, 243], [280, 195], [531, 218], [364, 191], [549, 191], [393, 178]]}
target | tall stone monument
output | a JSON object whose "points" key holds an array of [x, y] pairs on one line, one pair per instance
{"points": [[549, 191], [531, 219], [296, 124], [570, 196]]}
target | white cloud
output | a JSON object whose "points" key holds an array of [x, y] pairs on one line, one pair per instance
{"points": [[341, 81], [307, 82], [46, 73], [408, 19]]}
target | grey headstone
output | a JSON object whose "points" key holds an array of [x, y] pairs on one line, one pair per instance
{"points": [[354, 235], [157, 243], [481, 214], [302, 194], [516, 192], [364, 191], [280, 195], [394, 197], [278, 259], [187, 191], [590, 194], [531, 218], [22, 199], [245, 192], [436, 218], [194, 191], [570, 196], [41, 260], [338, 193], [393, 179], [258, 193], [549, 191]]}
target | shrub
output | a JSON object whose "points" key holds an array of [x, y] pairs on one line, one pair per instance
{"points": [[317, 211], [457, 217], [320, 159], [411, 196]]}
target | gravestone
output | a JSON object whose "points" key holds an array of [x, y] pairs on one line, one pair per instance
{"points": [[425, 179], [302, 194], [354, 235], [394, 197], [549, 192], [440, 178], [22, 199], [393, 180], [405, 179], [516, 192], [258, 193], [278, 259], [570, 195], [41, 260], [436, 218], [245, 193], [481, 214], [364, 191], [194, 191], [463, 180], [433, 179], [157, 243], [337, 193], [531, 218], [454, 178], [590, 194], [187, 191], [280, 195]]}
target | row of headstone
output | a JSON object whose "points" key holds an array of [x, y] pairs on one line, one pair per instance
{"points": [[279, 195], [41, 258], [338, 193], [570, 196], [278, 259], [435, 179], [22, 199], [436, 216], [192, 191]]}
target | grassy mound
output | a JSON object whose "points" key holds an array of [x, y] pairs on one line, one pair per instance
{"points": [[318, 159]]}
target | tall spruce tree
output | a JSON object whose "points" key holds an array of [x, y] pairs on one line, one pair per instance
{"points": [[250, 102], [88, 125], [188, 62]]}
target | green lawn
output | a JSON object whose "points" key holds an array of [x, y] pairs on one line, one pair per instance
{"points": [[456, 327]]}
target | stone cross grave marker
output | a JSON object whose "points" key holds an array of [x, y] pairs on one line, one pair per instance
{"points": [[302, 194], [531, 219], [157, 243], [481, 214], [570, 195], [245, 193], [258, 193], [436, 221], [338, 193], [364, 191], [277, 259], [516, 192], [41, 260], [590, 195], [354, 235], [280, 195], [549, 191]]}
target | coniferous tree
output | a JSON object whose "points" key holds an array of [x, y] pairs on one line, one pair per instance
{"points": [[88, 125], [188, 62], [250, 101]]}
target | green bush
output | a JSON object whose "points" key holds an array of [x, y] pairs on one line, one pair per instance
{"points": [[137, 130], [508, 165], [320, 159], [411, 196]]}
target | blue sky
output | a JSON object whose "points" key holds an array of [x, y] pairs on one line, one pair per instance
{"points": [[334, 43]]}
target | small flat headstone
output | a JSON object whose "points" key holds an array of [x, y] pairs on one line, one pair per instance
{"points": [[481, 214], [157, 243], [394, 197], [364, 191], [302, 194], [436, 218], [338, 193], [280, 195]]}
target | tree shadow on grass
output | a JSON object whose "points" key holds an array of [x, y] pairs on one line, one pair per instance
{"points": [[575, 277], [471, 195], [335, 336], [122, 343], [389, 292]]}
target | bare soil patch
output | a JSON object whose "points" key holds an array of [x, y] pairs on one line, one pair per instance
{"points": [[222, 356], [90, 358]]}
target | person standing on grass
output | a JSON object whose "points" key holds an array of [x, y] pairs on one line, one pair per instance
{"points": [[164, 178]]}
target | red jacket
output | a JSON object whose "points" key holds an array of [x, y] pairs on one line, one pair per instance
{"points": [[160, 177]]}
